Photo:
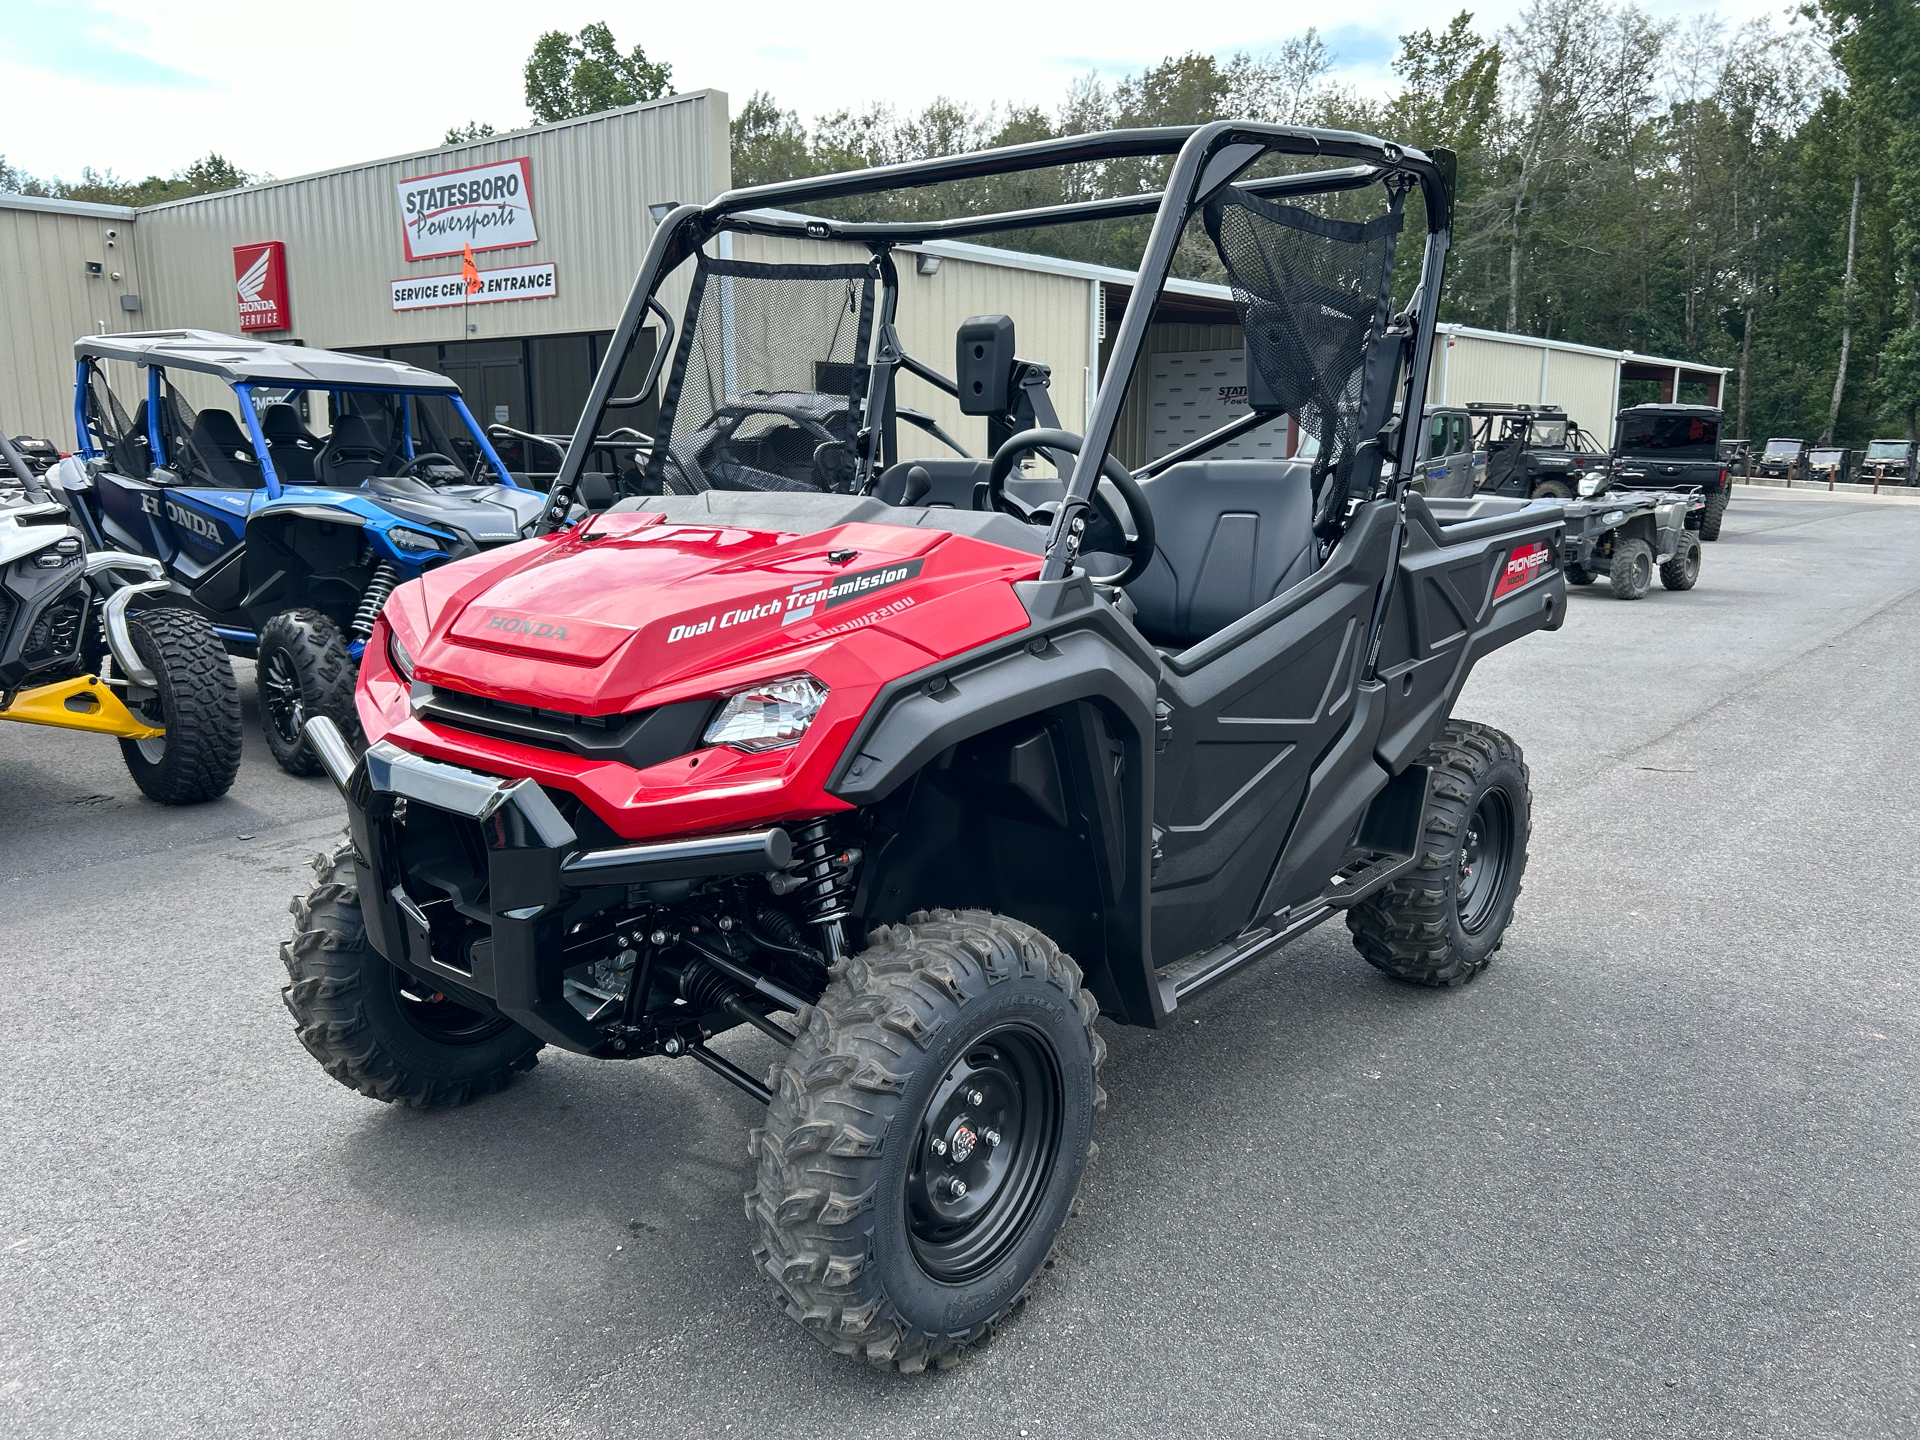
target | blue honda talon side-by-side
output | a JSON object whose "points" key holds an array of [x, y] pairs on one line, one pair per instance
{"points": [[286, 498]]}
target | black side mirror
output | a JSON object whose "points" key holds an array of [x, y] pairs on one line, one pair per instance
{"points": [[983, 364]]}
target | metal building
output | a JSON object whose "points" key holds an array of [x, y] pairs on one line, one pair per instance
{"points": [[370, 257]]}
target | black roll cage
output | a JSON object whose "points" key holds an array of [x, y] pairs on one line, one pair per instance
{"points": [[1207, 159]]}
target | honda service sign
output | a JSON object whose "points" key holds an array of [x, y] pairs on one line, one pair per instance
{"points": [[489, 207], [260, 281]]}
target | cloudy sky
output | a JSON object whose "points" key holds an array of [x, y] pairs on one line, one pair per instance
{"points": [[143, 88]]}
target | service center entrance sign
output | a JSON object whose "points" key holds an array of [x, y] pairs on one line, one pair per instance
{"points": [[260, 283], [489, 207], [522, 282]]}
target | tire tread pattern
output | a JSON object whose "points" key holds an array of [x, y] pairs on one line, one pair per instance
{"points": [[817, 1159], [201, 703], [327, 674], [327, 961], [1406, 928]]}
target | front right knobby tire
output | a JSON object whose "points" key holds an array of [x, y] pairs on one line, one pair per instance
{"points": [[303, 670], [1434, 926], [376, 1029], [845, 1164], [1682, 572]]}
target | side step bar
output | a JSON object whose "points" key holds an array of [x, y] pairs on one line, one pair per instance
{"points": [[1197, 973]]}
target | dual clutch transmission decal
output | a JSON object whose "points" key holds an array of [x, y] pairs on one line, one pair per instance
{"points": [[805, 599]]}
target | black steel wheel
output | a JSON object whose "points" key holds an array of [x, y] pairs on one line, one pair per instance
{"points": [[303, 670], [436, 1017], [928, 1131], [984, 1149], [1441, 923], [1484, 857]]}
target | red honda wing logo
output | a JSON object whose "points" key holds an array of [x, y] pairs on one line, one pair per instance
{"points": [[1522, 565], [260, 283]]}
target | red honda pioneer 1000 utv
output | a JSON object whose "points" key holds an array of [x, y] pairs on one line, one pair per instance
{"points": [[915, 767]]}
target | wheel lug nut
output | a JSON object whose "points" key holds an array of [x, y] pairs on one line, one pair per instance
{"points": [[957, 1188], [974, 1097], [939, 1147], [992, 1137]]}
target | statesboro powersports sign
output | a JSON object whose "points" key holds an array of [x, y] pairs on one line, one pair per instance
{"points": [[489, 207], [521, 282]]}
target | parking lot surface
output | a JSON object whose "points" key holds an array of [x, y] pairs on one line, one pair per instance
{"points": [[1653, 1174]]}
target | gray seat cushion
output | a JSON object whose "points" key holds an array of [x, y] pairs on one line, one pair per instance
{"points": [[1232, 534]]}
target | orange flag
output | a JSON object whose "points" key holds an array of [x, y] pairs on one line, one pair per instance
{"points": [[469, 271]]}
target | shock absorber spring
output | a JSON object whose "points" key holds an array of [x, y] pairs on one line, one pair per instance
{"points": [[825, 871], [385, 577]]}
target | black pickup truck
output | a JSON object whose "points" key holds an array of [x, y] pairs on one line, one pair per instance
{"points": [[1672, 447]]}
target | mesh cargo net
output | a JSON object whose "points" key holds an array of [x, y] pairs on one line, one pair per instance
{"points": [[1314, 295], [768, 379]]}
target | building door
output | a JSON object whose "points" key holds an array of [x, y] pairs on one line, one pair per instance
{"points": [[492, 376]]}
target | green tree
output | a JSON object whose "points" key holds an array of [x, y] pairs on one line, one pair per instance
{"points": [[570, 75], [466, 134]]}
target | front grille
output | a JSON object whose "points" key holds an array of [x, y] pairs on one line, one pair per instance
{"points": [[56, 634], [638, 738]]}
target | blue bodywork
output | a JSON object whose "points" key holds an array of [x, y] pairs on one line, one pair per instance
{"points": [[200, 531]]}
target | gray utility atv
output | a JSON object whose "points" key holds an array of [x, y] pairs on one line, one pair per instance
{"points": [[1626, 535], [908, 793], [1534, 452], [75, 656], [1673, 447]]}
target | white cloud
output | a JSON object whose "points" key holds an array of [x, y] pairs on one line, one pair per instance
{"points": [[289, 89]]}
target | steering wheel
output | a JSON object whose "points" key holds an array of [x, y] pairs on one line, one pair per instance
{"points": [[1138, 552], [425, 455]]}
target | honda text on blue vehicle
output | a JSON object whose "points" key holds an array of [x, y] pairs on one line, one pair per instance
{"points": [[286, 499]]}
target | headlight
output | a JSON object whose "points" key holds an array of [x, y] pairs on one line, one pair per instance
{"points": [[769, 716], [405, 539], [1591, 485], [398, 656]]}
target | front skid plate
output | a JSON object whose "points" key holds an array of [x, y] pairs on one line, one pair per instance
{"points": [[83, 703]]}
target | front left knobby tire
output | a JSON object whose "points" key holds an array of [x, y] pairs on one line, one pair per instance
{"points": [[926, 1137], [196, 702], [375, 1028], [1441, 923]]}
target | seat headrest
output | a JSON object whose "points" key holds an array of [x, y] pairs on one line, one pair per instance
{"points": [[355, 432], [282, 422], [219, 428]]}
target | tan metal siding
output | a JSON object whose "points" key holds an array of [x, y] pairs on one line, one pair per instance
{"points": [[592, 182], [1582, 385], [1492, 370], [47, 301]]}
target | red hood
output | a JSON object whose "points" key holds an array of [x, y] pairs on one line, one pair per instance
{"points": [[627, 606]]}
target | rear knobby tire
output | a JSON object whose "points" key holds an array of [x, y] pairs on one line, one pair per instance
{"points": [[374, 1028], [1683, 570], [1435, 926], [845, 1164], [197, 703], [303, 670], [1553, 490], [1580, 575], [1715, 512], [1631, 574]]}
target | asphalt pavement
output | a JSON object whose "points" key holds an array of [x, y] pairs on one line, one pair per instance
{"points": [[1655, 1173]]}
